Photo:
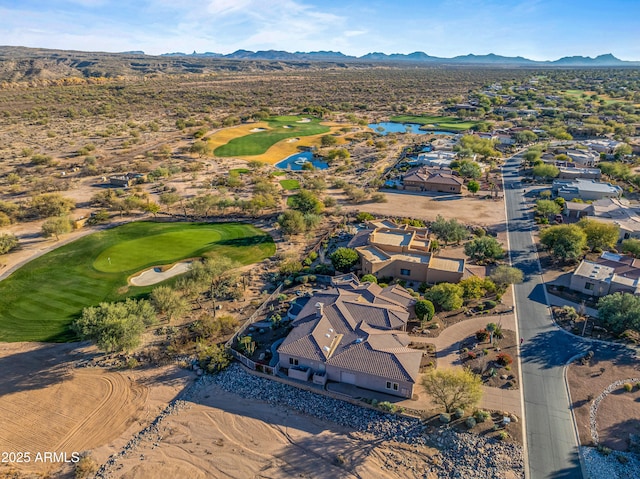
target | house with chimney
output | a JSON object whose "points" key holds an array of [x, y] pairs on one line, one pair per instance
{"points": [[354, 333]]}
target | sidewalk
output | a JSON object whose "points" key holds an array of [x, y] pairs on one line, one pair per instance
{"points": [[447, 354]]}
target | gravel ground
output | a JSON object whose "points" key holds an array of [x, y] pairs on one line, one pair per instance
{"points": [[616, 465], [463, 455]]}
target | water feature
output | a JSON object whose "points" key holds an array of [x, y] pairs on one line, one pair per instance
{"points": [[386, 127], [295, 162]]}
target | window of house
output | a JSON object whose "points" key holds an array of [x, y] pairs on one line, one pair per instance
{"points": [[293, 361], [405, 272], [391, 385], [627, 235], [588, 286]]}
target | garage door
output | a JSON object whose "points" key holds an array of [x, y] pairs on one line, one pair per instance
{"points": [[348, 378]]}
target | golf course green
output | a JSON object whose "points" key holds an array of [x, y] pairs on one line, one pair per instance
{"points": [[280, 128], [39, 300], [448, 123]]}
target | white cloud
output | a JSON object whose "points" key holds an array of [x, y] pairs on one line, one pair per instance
{"points": [[355, 33]]}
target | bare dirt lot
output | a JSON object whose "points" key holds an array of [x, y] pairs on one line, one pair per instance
{"points": [[224, 435], [467, 210], [618, 412], [47, 404]]}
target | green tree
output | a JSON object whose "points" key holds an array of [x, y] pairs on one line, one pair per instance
{"points": [[620, 311], [306, 202], [447, 296], [168, 301], [201, 148], [453, 388], [476, 288], [504, 275], [565, 242], [48, 205], [369, 278], [545, 171], [328, 140], [424, 310], [473, 186], [525, 136], [56, 227], [601, 236], [292, 222], [484, 249], [631, 246], [623, 149], [548, 208], [343, 259], [470, 169], [115, 326], [449, 231], [531, 155], [8, 241]]}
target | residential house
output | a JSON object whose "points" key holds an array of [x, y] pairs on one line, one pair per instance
{"points": [[402, 251], [573, 173], [586, 190], [432, 179], [438, 159], [602, 145], [611, 273], [618, 211], [583, 158], [127, 179], [355, 334]]}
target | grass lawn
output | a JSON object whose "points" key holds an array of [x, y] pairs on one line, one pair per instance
{"points": [[449, 123], [279, 128], [290, 185], [39, 300], [239, 171]]}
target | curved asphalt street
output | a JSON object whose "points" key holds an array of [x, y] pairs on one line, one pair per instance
{"points": [[551, 439]]}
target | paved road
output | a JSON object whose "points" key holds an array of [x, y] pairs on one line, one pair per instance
{"points": [[551, 440]]}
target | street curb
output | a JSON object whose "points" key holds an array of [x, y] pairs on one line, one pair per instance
{"points": [[525, 448], [573, 416]]}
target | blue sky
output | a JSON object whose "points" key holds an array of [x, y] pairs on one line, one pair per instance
{"points": [[536, 29]]}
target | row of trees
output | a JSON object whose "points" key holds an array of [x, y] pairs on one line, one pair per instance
{"points": [[569, 242]]}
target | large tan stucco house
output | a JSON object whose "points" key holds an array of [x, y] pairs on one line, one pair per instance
{"points": [[402, 251], [354, 333]]}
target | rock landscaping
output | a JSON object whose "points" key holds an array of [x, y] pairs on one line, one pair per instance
{"points": [[461, 454]]}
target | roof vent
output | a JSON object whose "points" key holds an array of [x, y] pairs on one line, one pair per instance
{"points": [[358, 340], [327, 335], [331, 330], [326, 349]]}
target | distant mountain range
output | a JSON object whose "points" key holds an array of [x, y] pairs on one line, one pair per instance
{"points": [[606, 60]]}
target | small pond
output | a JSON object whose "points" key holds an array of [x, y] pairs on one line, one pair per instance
{"points": [[295, 162], [387, 127]]}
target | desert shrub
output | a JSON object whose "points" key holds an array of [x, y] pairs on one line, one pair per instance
{"points": [[482, 335], [627, 387], [445, 418], [387, 406], [481, 416], [503, 436], [470, 422], [458, 413], [85, 466], [604, 450], [490, 304], [504, 359], [471, 355], [374, 402]]}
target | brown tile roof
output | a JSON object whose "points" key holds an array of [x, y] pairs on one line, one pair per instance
{"points": [[357, 330]]}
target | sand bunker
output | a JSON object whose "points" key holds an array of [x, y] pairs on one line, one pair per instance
{"points": [[256, 130], [293, 140], [156, 274], [304, 120], [286, 126]]}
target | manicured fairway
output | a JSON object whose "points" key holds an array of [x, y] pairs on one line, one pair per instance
{"points": [[290, 185], [449, 123], [280, 128], [39, 301]]}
